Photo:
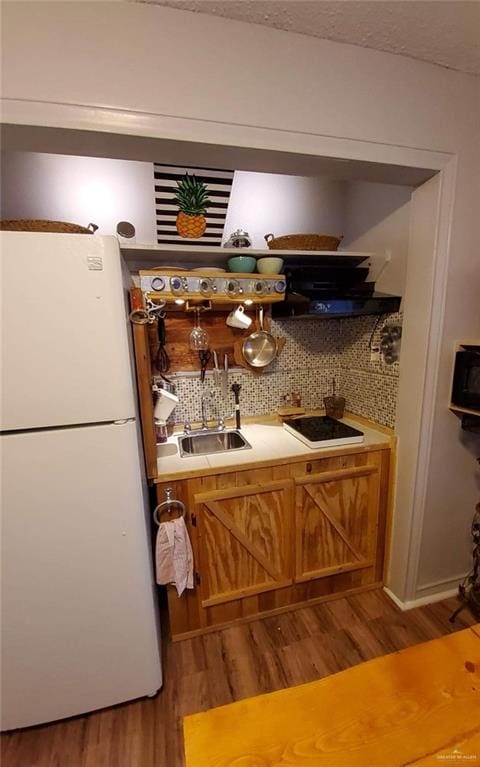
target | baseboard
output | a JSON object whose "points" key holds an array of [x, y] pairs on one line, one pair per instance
{"points": [[419, 601], [446, 584]]}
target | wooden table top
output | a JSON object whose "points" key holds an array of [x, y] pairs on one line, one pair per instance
{"points": [[418, 707]]}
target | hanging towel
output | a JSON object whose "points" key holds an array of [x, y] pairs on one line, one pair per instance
{"points": [[174, 557]]}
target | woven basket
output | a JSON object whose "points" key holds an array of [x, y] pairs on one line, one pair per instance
{"points": [[303, 242], [40, 225]]}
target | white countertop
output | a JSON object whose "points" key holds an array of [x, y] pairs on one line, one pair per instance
{"points": [[268, 441]]}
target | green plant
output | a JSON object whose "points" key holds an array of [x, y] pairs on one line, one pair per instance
{"points": [[191, 196]]}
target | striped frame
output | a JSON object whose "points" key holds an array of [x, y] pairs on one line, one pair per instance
{"points": [[218, 183]]}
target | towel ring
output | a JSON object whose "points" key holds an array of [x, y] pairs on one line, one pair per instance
{"points": [[166, 505]]}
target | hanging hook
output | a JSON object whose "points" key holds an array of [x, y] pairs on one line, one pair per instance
{"points": [[155, 310]]}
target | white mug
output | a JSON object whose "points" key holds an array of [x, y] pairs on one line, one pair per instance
{"points": [[238, 319]]}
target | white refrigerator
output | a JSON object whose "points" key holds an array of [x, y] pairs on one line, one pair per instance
{"points": [[79, 624]]}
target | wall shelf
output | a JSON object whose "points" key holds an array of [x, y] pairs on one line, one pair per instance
{"points": [[191, 256], [464, 410]]}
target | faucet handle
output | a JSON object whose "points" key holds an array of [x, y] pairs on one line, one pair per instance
{"points": [[187, 427]]}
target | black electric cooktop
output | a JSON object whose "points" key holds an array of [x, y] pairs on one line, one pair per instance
{"points": [[323, 431]]}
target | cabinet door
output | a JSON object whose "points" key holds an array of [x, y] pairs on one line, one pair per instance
{"points": [[336, 521], [244, 540]]}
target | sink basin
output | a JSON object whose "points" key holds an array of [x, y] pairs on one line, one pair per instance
{"points": [[212, 442]]}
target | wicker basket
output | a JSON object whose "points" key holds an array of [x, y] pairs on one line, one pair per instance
{"points": [[303, 242], [40, 225]]}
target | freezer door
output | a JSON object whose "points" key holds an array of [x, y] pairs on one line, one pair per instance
{"points": [[65, 357], [79, 623]]}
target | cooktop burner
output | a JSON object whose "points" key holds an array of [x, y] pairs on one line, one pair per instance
{"points": [[323, 431]]}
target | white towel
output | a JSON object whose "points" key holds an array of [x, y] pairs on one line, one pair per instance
{"points": [[174, 556]]}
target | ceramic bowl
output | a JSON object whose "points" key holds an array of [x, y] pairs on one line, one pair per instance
{"points": [[245, 264], [270, 265]]}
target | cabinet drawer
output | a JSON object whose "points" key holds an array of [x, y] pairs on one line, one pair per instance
{"points": [[319, 465]]}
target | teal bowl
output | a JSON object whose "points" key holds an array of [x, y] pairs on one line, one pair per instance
{"points": [[245, 264]]}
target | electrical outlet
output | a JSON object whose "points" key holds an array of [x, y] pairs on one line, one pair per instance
{"points": [[375, 354]]}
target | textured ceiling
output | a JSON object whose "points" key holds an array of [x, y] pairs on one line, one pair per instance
{"points": [[444, 32]]}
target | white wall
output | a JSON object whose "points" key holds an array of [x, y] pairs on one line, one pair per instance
{"points": [[270, 202], [377, 219], [126, 56], [249, 85], [84, 189], [79, 190], [453, 481]]}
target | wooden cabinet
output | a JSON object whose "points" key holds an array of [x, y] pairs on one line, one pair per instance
{"points": [[336, 515], [244, 535], [268, 539]]}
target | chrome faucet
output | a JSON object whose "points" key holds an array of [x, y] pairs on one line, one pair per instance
{"points": [[205, 398], [219, 426]]}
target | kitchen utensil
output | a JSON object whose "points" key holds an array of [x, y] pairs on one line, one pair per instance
{"points": [[204, 356], [303, 242], [243, 264], [238, 319], [236, 393], [225, 377], [270, 265], [198, 336], [289, 412], [238, 239], [217, 373], [334, 406], [260, 348], [162, 360]]}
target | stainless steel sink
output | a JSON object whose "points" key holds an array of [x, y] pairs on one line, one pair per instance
{"points": [[212, 442]]}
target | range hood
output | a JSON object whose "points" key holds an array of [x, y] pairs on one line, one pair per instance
{"points": [[334, 286]]}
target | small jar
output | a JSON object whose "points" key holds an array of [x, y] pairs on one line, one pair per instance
{"points": [[161, 433], [296, 399]]}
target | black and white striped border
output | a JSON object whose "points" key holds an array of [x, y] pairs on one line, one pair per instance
{"points": [[218, 183]]}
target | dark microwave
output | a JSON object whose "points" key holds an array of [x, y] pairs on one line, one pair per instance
{"points": [[466, 378]]}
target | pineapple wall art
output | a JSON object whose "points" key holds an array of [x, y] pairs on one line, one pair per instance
{"points": [[191, 204], [192, 200]]}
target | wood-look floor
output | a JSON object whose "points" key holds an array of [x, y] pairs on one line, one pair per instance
{"points": [[225, 666]]}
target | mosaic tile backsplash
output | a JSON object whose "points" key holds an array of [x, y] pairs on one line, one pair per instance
{"points": [[316, 351]]}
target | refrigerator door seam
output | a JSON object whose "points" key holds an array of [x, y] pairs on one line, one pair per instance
{"points": [[63, 427]]}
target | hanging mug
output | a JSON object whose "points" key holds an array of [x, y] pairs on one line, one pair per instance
{"points": [[238, 319]]}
